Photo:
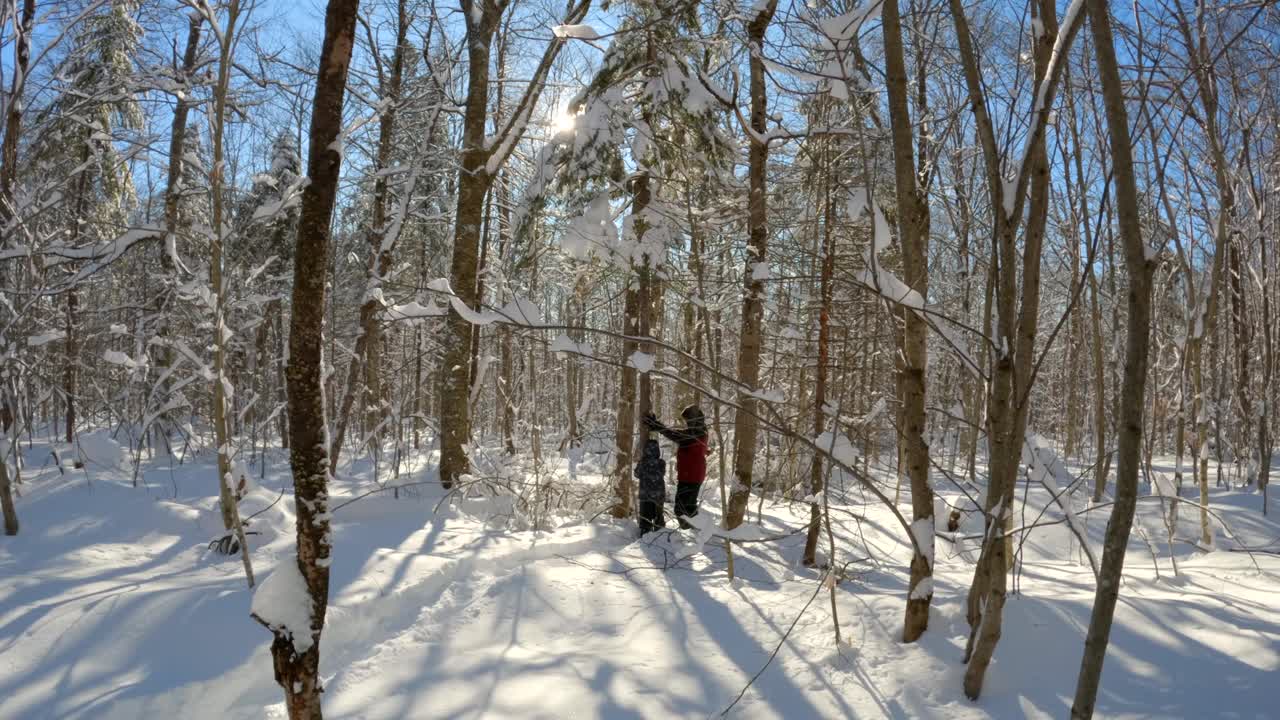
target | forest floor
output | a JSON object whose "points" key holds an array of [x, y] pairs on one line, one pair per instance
{"points": [[112, 606]]}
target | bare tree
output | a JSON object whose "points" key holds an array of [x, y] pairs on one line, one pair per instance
{"points": [[1137, 338], [482, 158], [913, 233]]}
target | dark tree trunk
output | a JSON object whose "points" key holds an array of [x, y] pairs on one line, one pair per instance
{"points": [[1129, 422], [474, 181], [172, 196], [298, 673], [913, 232], [8, 176]]}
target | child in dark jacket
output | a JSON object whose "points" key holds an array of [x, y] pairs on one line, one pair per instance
{"points": [[651, 471]]}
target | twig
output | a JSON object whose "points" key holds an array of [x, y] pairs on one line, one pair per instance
{"points": [[378, 490]]}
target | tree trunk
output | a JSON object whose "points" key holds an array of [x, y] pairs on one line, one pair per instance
{"points": [[366, 367], [1137, 338], [820, 380], [1268, 360], [222, 387], [1017, 324], [474, 181], [1102, 460], [298, 673], [8, 176], [746, 425], [1240, 329], [475, 176], [913, 232], [172, 197], [645, 297], [635, 322], [70, 361]]}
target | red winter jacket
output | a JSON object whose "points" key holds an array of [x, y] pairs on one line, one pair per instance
{"points": [[691, 457], [691, 461]]}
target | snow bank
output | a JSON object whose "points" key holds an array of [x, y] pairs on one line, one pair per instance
{"points": [[99, 449]]}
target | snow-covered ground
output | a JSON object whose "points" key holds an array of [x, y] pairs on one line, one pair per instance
{"points": [[111, 606]]}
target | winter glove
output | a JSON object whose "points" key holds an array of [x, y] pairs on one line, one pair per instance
{"points": [[651, 422]]}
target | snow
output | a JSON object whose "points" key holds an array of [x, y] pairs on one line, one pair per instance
{"points": [[565, 344], [592, 230], [922, 531], [837, 446], [116, 357], [100, 451], [876, 277], [1008, 195], [45, 338], [522, 311], [641, 361], [922, 590], [845, 26], [889, 286], [577, 32], [112, 608], [860, 202], [414, 310], [774, 395], [283, 602]]}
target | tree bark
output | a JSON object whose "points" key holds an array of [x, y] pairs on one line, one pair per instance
{"points": [[826, 274], [172, 197], [633, 402], [645, 298], [222, 387], [1137, 338], [624, 430], [366, 369], [473, 185]]}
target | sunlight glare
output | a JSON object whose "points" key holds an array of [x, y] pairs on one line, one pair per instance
{"points": [[563, 121]]}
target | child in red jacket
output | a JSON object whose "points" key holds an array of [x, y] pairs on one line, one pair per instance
{"points": [[691, 458]]}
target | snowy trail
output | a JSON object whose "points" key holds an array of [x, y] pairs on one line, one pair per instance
{"points": [[112, 608], [399, 592]]}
